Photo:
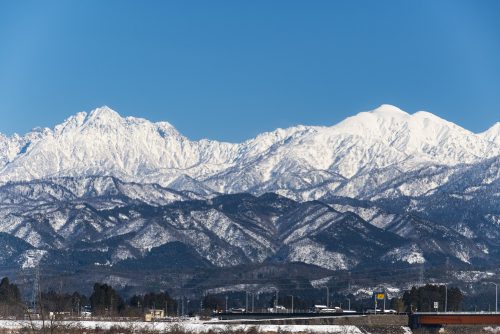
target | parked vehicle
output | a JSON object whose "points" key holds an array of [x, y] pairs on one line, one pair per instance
{"points": [[237, 310], [325, 309]]}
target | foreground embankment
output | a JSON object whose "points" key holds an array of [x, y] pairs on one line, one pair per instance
{"points": [[187, 327], [353, 320], [345, 325]]}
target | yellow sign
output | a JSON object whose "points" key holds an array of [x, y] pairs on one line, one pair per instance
{"points": [[379, 296]]}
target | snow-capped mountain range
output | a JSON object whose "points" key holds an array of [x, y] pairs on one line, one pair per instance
{"points": [[382, 186], [305, 162]]}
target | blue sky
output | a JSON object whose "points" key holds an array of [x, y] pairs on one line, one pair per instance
{"points": [[229, 70]]}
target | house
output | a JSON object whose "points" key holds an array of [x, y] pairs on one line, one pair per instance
{"points": [[59, 315], [154, 314]]}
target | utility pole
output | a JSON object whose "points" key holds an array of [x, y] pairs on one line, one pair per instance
{"points": [[253, 295], [384, 298], [496, 296], [349, 300], [246, 301], [446, 297], [446, 285], [36, 289], [226, 304]]}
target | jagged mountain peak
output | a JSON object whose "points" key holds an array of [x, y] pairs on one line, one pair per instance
{"points": [[108, 119], [102, 142], [104, 111], [104, 115]]}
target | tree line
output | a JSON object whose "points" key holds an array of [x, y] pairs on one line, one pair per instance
{"points": [[106, 301], [10, 298], [422, 299], [103, 301]]}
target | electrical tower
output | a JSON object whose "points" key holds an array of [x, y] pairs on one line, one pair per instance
{"points": [[36, 290]]}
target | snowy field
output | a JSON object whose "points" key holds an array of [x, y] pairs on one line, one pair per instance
{"points": [[191, 326]]}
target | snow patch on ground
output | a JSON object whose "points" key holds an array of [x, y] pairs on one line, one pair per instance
{"points": [[118, 281], [406, 330], [31, 258], [192, 326], [256, 288], [411, 254], [317, 283], [472, 276], [310, 252], [494, 219]]}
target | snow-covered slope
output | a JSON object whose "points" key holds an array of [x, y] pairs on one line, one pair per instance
{"points": [[104, 221], [492, 134], [303, 162], [381, 186], [103, 143]]}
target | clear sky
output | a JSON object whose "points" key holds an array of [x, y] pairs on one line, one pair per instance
{"points": [[229, 70]]}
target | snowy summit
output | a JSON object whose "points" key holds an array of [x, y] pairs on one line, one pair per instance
{"points": [[104, 143]]}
